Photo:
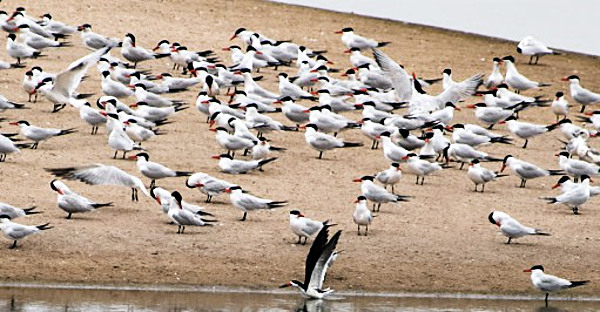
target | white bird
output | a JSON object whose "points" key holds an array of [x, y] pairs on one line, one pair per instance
{"points": [[516, 80], [549, 283], [396, 74], [293, 111], [20, 50], [36, 41], [373, 130], [263, 148], [391, 151], [576, 168], [235, 166], [232, 142], [495, 78], [525, 170], [464, 153], [377, 194], [136, 54], [15, 231], [461, 135], [15, 212], [208, 185], [251, 87], [154, 170], [324, 142], [321, 256], [72, 202], [143, 95], [56, 27], [580, 94], [511, 228], [481, 175], [525, 130], [118, 138], [37, 134], [99, 174], [286, 88], [490, 115], [7, 146], [532, 47], [92, 117], [421, 167], [352, 40], [183, 217], [362, 215], [575, 197], [304, 227], [246, 202], [560, 106], [566, 185], [390, 176]]}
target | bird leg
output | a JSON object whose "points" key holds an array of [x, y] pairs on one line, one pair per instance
{"points": [[335, 134], [461, 165], [115, 157], [422, 180], [305, 238], [490, 127], [522, 183], [14, 245], [417, 183], [244, 217], [178, 229], [208, 198], [359, 230], [526, 141], [582, 108], [509, 239], [366, 230], [373, 209], [537, 58], [124, 152], [475, 190], [545, 300], [69, 216], [299, 240], [373, 144], [393, 189], [378, 207], [320, 154], [482, 187], [530, 59], [575, 210], [182, 229]]}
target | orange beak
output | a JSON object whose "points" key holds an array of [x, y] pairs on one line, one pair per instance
{"points": [[356, 180], [232, 37], [216, 157], [503, 167]]}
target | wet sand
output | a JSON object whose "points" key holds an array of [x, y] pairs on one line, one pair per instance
{"points": [[439, 242]]}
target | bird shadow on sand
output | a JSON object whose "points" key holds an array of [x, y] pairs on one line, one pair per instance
{"points": [[549, 309]]}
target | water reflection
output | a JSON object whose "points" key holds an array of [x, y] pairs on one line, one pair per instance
{"points": [[74, 300]]}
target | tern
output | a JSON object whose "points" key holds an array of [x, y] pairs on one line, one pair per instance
{"points": [[118, 138], [286, 88], [576, 168], [532, 47], [154, 170], [7, 146], [400, 79], [56, 27], [231, 142], [99, 174], [566, 185], [305, 227], [263, 148], [549, 283], [575, 197], [421, 167], [246, 202], [234, 166], [525, 130], [491, 115], [320, 258], [183, 217], [377, 194], [461, 135], [15, 231], [525, 170], [136, 54], [560, 106], [37, 134], [352, 40], [464, 153], [72, 202], [92, 116], [36, 41], [163, 198], [20, 50], [208, 185], [324, 142], [511, 228], [15, 212], [516, 80], [390, 176], [580, 94], [362, 215], [481, 175], [495, 78]]}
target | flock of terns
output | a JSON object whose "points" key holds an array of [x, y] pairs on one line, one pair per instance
{"points": [[378, 87]]}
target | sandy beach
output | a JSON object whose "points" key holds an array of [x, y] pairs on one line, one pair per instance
{"points": [[441, 241]]}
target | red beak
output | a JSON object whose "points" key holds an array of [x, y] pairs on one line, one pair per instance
{"points": [[527, 270], [339, 32], [232, 37], [13, 123], [356, 180], [216, 157], [555, 186], [503, 167], [564, 79]]}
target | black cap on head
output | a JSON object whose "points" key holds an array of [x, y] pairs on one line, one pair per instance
{"points": [[459, 126], [537, 267], [177, 196], [12, 36], [369, 178], [347, 29], [475, 161], [286, 98], [565, 178], [506, 158], [447, 71], [496, 59], [559, 94], [236, 187], [284, 75], [239, 30], [509, 58], [52, 185], [511, 117], [144, 155], [491, 218], [361, 197], [313, 126], [573, 77], [563, 153], [585, 176], [295, 212]]}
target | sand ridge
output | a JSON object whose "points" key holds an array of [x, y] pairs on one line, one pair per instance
{"points": [[440, 241]]}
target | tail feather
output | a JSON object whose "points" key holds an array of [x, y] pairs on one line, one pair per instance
{"points": [[501, 175], [539, 232], [181, 107], [583, 119], [44, 226], [279, 149], [502, 139], [491, 159], [434, 80], [542, 84], [208, 221], [556, 172], [64, 44], [183, 173], [578, 283], [161, 55], [551, 200], [205, 53], [289, 128], [312, 98], [102, 205], [257, 78], [29, 211], [23, 145], [84, 95], [352, 144], [396, 105], [67, 131], [383, 44], [403, 198], [204, 213], [266, 161], [552, 126], [318, 52], [277, 204]]}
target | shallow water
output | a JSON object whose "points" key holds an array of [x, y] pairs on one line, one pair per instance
{"points": [[30, 299], [566, 25]]}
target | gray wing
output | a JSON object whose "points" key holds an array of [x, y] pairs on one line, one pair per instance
{"points": [[325, 261], [399, 77], [462, 90], [67, 81]]}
